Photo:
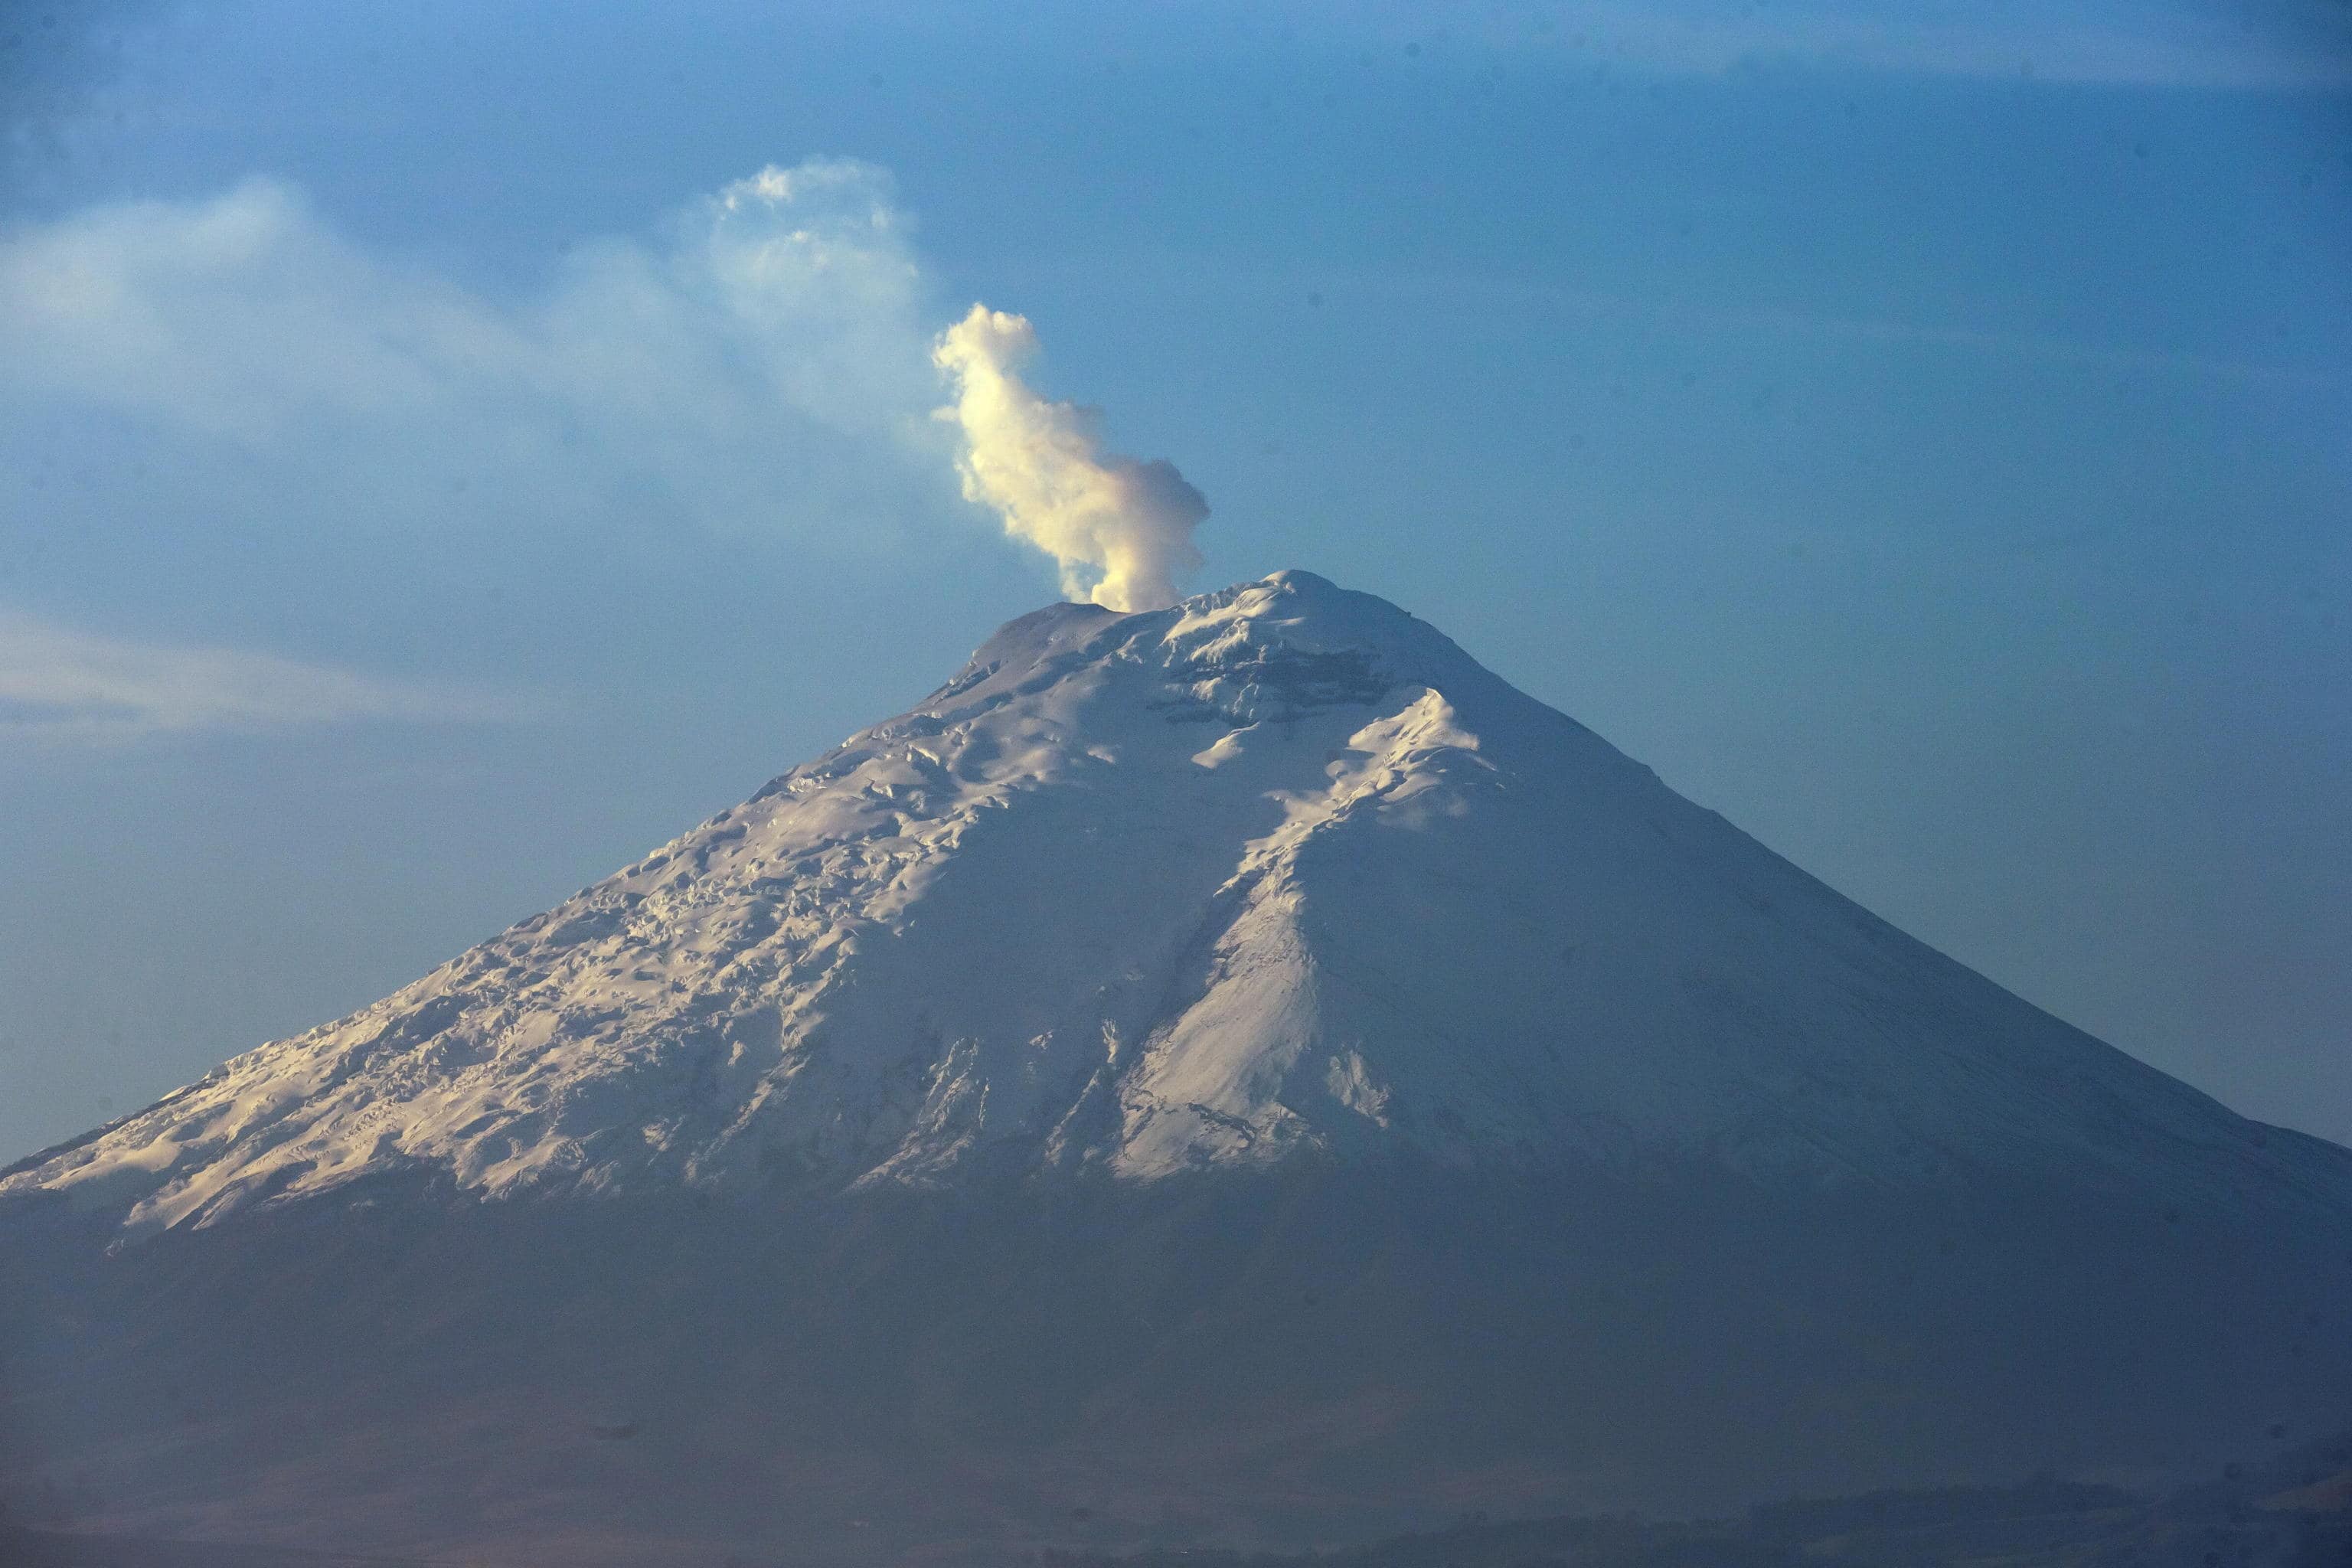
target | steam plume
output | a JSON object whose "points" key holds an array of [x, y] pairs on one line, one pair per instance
{"points": [[1121, 529]]}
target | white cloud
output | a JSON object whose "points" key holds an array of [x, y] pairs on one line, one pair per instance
{"points": [[1121, 528], [760, 366], [57, 684]]}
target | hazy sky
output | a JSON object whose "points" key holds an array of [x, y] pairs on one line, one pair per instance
{"points": [[436, 466]]}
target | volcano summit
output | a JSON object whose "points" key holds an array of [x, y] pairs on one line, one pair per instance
{"points": [[1236, 1072]]}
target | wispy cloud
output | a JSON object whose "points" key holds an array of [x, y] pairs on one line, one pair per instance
{"points": [[760, 365], [60, 685]]}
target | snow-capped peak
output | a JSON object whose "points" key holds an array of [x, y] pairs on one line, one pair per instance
{"points": [[1276, 871]]}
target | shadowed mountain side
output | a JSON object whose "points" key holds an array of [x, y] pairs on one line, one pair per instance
{"points": [[1321, 1354]]}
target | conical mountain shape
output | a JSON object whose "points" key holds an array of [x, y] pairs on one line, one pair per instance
{"points": [[1277, 872], [1233, 1074]]}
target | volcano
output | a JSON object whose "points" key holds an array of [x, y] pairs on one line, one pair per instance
{"points": [[1239, 1073]]}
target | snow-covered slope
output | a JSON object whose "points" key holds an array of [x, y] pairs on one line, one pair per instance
{"points": [[1278, 871]]}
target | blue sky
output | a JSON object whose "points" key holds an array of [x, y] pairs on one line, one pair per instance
{"points": [[1923, 433]]}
